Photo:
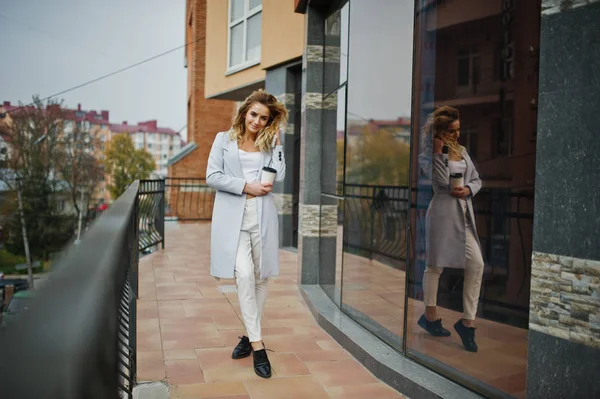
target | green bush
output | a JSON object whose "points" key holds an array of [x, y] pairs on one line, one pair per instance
{"points": [[8, 261]]}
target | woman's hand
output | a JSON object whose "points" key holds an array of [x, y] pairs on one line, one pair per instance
{"points": [[437, 146], [258, 189], [461, 192]]}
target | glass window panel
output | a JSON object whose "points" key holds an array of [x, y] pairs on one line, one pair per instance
{"points": [[237, 10], [255, 3], [336, 49], [254, 37], [463, 59], [377, 165], [334, 127], [331, 252], [236, 49]]}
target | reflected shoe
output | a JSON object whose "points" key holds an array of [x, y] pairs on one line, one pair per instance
{"points": [[262, 366], [467, 335], [434, 328], [243, 349]]}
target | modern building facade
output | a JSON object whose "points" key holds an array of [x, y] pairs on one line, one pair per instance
{"points": [[360, 78]]}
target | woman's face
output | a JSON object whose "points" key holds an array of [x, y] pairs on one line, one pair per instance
{"points": [[453, 132], [257, 118]]}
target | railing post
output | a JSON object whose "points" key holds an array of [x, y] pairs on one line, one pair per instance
{"points": [[371, 246], [161, 213]]}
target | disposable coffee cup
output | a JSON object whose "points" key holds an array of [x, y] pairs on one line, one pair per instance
{"points": [[456, 180], [268, 175]]}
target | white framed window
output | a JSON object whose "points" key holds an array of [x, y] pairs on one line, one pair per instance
{"points": [[245, 34]]}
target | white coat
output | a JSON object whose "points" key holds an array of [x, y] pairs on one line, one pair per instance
{"points": [[224, 173]]}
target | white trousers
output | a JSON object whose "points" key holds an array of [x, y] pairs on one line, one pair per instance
{"points": [[252, 292], [473, 274]]}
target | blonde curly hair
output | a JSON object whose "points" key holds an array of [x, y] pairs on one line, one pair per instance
{"points": [[438, 122], [277, 119]]}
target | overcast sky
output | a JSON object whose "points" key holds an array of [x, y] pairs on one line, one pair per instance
{"points": [[380, 58], [49, 46]]}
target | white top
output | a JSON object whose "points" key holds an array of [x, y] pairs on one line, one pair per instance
{"points": [[251, 164], [458, 166]]}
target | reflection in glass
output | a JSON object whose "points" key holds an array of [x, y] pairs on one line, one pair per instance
{"points": [[336, 49], [377, 166], [237, 9], [236, 52], [253, 45], [481, 61]]}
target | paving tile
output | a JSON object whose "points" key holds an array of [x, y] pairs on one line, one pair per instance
{"points": [[208, 390], [231, 374], [220, 358], [302, 387], [148, 326], [340, 372], [148, 342], [180, 354], [197, 378], [181, 367], [287, 365], [375, 391]]}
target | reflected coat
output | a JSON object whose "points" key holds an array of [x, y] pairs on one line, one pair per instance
{"points": [[224, 173], [446, 230]]}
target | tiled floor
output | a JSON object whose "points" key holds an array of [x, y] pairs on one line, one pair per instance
{"points": [[188, 324]]}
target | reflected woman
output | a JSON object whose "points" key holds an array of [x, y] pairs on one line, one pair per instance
{"points": [[451, 233]]}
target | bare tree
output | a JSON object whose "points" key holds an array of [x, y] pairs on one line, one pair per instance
{"points": [[53, 163]]}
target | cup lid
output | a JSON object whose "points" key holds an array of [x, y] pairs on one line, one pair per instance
{"points": [[269, 169]]}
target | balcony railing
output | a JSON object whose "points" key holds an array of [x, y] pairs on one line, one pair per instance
{"points": [[77, 339], [188, 199]]}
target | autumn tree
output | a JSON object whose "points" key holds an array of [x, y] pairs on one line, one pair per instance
{"points": [[378, 157], [125, 164]]}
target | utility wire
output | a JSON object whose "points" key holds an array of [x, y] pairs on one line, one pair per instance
{"points": [[89, 82]]}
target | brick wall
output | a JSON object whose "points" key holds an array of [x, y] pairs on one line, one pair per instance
{"points": [[205, 117]]}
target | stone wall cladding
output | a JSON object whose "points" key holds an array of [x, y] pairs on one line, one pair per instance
{"points": [[565, 298], [318, 221], [556, 6]]}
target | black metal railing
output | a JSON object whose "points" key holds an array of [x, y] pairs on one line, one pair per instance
{"points": [[188, 199], [77, 339], [151, 200], [376, 218]]}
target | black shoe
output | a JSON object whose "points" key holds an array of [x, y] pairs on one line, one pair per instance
{"points": [[262, 366], [243, 349], [434, 328], [467, 335]]}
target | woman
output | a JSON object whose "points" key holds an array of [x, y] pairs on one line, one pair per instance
{"points": [[244, 231], [451, 233]]}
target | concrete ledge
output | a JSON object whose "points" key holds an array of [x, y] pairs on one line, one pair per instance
{"points": [[151, 390], [401, 373]]}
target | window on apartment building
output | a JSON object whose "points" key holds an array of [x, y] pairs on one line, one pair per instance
{"points": [[468, 66], [468, 139], [245, 29], [502, 137]]}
